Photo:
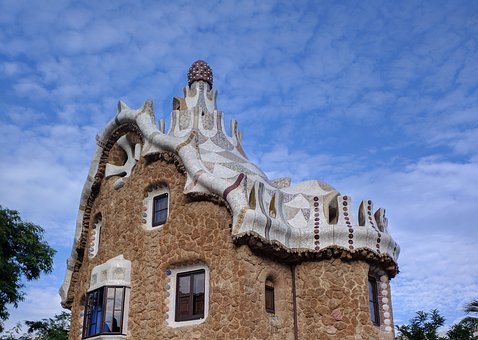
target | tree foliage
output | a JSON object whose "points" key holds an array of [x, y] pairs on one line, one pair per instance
{"points": [[472, 308], [463, 330], [23, 253], [56, 328], [424, 326], [51, 329]]}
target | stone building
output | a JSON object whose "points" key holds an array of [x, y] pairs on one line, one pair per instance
{"points": [[180, 236]]}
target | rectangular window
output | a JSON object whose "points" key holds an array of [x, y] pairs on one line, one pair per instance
{"points": [[270, 306], [160, 209], [190, 295], [104, 311], [373, 300]]}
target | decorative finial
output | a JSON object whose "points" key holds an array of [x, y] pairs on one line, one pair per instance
{"points": [[200, 70]]}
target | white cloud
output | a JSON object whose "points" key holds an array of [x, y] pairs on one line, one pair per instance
{"points": [[41, 174], [435, 273], [40, 303]]}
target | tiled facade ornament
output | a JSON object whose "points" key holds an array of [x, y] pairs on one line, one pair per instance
{"points": [[200, 70]]}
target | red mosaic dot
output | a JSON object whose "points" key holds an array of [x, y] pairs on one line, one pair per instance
{"points": [[316, 209], [316, 215], [317, 243], [351, 230], [369, 208], [316, 231], [351, 236], [351, 242], [316, 204], [345, 198], [345, 208]]}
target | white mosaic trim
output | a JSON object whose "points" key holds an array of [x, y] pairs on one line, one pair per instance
{"points": [[95, 238], [383, 295], [384, 289], [151, 193], [170, 301], [124, 171]]}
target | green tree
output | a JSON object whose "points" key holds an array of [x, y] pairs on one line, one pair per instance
{"points": [[472, 308], [23, 253], [463, 330], [424, 326], [56, 328]]}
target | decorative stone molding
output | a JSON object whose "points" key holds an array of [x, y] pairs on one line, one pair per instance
{"points": [[124, 170], [95, 237], [171, 282], [114, 272]]}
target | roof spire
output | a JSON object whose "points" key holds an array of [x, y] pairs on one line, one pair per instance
{"points": [[200, 70]]}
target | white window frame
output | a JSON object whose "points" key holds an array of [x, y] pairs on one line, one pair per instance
{"points": [[172, 284]]}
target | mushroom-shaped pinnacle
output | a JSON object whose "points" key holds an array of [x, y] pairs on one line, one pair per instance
{"points": [[200, 70]]}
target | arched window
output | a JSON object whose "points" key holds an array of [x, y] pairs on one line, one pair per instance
{"points": [[269, 293], [373, 300], [160, 209], [156, 206]]}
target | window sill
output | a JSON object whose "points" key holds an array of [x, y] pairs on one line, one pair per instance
{"points": [[176, 324], [107, 337]]}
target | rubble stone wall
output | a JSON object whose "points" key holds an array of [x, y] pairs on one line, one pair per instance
{"points": [[332, 299]]}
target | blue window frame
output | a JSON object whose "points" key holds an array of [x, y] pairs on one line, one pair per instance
{"points": [[104, 311]]}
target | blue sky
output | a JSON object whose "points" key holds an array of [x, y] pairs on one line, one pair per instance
{"points": [[379, 99]]}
